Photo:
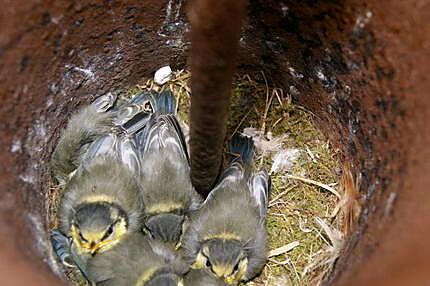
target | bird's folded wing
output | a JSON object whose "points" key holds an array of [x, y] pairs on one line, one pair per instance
{"points": [[260, 187]]}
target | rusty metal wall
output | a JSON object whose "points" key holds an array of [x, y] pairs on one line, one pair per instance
{"points": [[393, 249], [360, 66], [55, 56]]}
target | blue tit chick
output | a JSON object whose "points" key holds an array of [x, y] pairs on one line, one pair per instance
{"points": [[227, 235], [93, 218], [101, 202], [82, 129], [137, 260], [101, 205], [129, 122], [202, 277], [166, 186]]}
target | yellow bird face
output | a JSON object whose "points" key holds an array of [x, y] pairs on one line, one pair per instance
{"points": [[92, 242], [224, 259], [98, 228], [232, 274]]}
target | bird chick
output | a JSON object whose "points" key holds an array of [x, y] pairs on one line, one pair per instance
{"points": [[97, 160], [100, 206], [227, 236], [101, 202], [166, 186], [202, 277], [137, 260], [133, 115]]}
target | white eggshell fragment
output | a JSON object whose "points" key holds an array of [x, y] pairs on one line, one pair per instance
{"points": [[162, 75]]}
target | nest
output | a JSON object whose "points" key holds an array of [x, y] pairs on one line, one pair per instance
{"points": [[314, 202]]}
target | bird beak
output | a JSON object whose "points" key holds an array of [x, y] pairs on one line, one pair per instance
{"points": [[91, 247], [220, 270], [224, 272], [94, 247], [230, 280]]}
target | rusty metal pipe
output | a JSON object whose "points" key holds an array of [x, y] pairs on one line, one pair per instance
{"points": [[359, 66], [215, 31]]}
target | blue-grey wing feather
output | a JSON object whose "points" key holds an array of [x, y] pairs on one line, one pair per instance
{"points": [[105, 102], [133, 116], [164, 132], [260, 186], [128, 153], [166, 103], [104, 145], [233, 173], [122, 147], [61, 245]]}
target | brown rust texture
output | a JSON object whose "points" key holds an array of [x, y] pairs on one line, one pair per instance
{"points": [[55, 56], [360, 66], [393, 249]]}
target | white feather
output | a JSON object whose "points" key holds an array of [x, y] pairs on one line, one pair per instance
{"points": [[284, 160]]}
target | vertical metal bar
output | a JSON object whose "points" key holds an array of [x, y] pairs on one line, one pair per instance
{"points": [[215, 33]]}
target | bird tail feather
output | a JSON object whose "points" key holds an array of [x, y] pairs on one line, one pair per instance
{"points": [[166, 103], [241, 149]]}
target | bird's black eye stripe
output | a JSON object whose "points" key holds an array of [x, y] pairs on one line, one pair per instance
{"points": [[208, 263], [82, 237], [236, 267], [148, 107], [109, 231]]}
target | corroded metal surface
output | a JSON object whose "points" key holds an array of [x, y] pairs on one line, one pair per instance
{"points": [[360, 66], [393, 250], [215, 36], [55, 56]]}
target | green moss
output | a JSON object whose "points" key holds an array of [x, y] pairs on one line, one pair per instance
{"points": [[293, 218]]}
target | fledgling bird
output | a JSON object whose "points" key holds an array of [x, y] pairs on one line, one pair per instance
{"points": [[101, 203], [202, 277], [227, 235], [137, 261], [167, 191]]}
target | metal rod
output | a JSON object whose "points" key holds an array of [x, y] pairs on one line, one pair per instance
{"points": [[215, 33]]}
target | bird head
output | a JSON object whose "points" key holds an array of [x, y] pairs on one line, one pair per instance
{"points": [[166, 227], [98, 226], [225, 257]]}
